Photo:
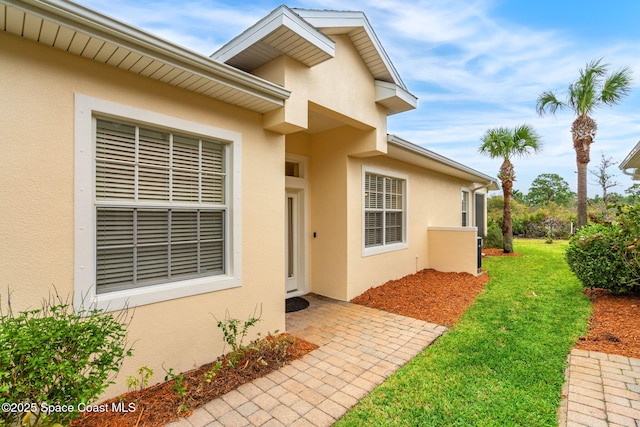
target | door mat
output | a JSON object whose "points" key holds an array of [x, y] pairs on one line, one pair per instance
{"points": [[295, 304]]}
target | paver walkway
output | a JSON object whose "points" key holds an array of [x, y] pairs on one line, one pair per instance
{"points": [[358, 348], [601, 390]]}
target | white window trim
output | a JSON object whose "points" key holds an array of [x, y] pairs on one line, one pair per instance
{"points": [[376, 250], [469, 222], [86, 108]]}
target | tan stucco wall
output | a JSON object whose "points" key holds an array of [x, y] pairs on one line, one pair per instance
{"points": [[37, 210], [453, 249], [345, 84], [433, 200], [341, 88]]}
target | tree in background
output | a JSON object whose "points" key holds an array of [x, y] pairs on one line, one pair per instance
{"points": [[593, 88], [633, 194], [547, 188], [603, 178], [507, 143], [519, 196]]}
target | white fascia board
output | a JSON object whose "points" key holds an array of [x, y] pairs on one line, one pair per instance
{"points": [[282, 16], [632, 161], [348, 19], [85, 20], [398, 97], [492, 183]]}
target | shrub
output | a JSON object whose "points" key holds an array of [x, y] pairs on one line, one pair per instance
{"points": [[596, 256], [55, 355], [628, 218], [493, 239]]}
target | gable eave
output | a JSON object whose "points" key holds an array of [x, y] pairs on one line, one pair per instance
{"points": [[282, 32], [356, 25]]}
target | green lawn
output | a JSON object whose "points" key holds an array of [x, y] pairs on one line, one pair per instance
{"points": [[503, 363]]}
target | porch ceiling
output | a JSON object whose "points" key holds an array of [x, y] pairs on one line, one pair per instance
{"points": [[80, 31]]}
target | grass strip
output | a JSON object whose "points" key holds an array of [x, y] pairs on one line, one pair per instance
{"points": [[503, 363]]}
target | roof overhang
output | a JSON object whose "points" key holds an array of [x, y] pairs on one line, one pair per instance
{"points": [[394, 98], [391, 92], [80, 31], [400, 149], [305, 36], [631, 164], [282, 32]]}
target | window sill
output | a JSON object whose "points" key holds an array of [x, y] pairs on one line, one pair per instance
{"points": [[376, 250], [118, 300]]}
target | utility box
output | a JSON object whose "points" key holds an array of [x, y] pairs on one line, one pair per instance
{"points": [[479, 254]]}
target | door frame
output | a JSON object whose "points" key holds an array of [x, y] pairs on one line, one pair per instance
{"points": [[298, 186]]}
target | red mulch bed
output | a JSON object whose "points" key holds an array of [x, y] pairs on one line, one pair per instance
{"points": [[497, 252], [160, 404], [428, 295], [614, 326]]}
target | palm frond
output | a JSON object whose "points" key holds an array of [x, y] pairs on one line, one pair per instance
{"points": [[594, 69], [494, 142], [583, 93], [548, 102], [616, 86], [505, 143], [526, 140]]}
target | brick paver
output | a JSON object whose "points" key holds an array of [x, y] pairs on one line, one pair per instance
{"points": [[358, 348], [600, 390]]}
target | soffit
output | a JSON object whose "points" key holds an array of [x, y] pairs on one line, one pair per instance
{"points": [[631, 164], [282, 32], [80, 31]]}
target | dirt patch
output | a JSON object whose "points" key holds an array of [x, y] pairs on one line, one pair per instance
{"points": [[614, 326], [497, 252], [162, 403], [428, 295]]}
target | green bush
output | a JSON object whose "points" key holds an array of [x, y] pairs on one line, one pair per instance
{"points": [[596, 256], [628, 218], [493, 239], [55, 355]]}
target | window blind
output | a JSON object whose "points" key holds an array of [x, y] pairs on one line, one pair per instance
{"points": [[160, 206], [384, 210]]}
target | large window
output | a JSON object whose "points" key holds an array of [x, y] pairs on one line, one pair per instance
{"points": [[160, 206], [384, 212], [162, 218]]}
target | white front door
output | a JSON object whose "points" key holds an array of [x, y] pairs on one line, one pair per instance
{"points": [[294, 247]]}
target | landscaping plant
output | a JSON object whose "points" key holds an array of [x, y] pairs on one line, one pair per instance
{"points": [[54, 360], [608, 255], [596, 256], [234, 332]]}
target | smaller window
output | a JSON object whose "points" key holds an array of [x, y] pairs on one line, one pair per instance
{"points": [[465, 209], [292, 169], [384, 220]]}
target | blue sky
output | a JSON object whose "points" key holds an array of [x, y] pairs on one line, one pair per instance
{"points": [[473, 64]]}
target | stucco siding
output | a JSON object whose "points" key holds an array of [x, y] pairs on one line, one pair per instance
{"points": [[37, 230], [433, 199]]}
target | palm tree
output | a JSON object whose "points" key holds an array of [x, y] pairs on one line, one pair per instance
{"points": [[507, 143], [593, 88]]}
